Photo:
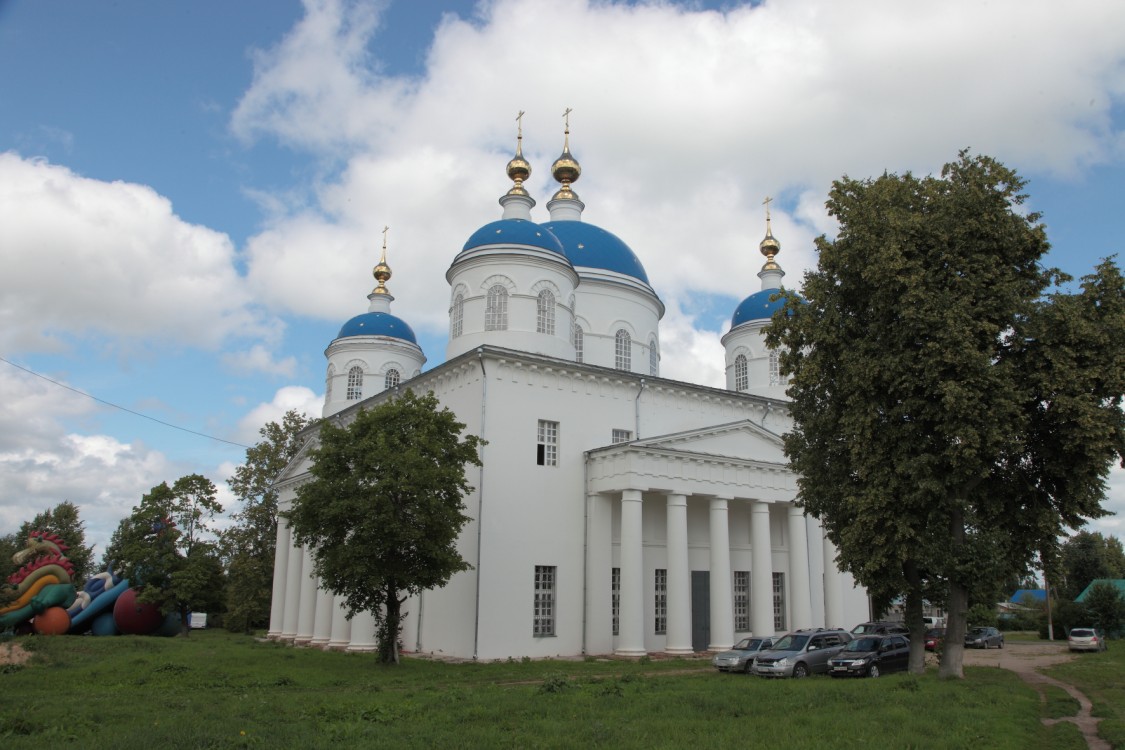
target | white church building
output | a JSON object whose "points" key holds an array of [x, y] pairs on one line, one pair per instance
{"points": [[616, 511]]}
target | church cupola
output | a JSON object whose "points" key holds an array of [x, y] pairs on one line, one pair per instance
{"points": [[750, 366], [564, 204], [373, 351], [512, 284]]}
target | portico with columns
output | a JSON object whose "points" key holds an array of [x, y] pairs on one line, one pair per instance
{"points": [[663, 511]]}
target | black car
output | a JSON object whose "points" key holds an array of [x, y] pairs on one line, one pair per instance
{"points": [[879, 628], [871, 656]]}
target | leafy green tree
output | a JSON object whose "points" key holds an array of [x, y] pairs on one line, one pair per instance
{"points": [[249, 545], [951, 416], [1087, 556], [384, 507], [160, 547], [1106, 607]]}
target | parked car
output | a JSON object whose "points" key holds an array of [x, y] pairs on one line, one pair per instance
{"points": [[1086, 639], [880, 628], [741, 656], [871, 656], [801, 653], [935, 637], [984, 638], [932, 621]]}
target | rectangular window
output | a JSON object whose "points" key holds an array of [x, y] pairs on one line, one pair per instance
{"points": [[615, 599], [741, 601], [661, 587], [779, 602], [622, 436], [547, 451], [544, 615]]}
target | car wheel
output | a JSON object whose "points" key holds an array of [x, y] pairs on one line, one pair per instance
{"points": [[800, 671], [750, 667], [1001, 643], [873, 670]]}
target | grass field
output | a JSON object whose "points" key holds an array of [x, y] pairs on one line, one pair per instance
{"points": [[217, 690]]}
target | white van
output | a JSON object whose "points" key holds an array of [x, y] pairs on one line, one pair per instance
{"points": [[933, 622]]}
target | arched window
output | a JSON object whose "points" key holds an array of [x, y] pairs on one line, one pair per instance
{"points": [[355, 383], [623, 350], [741, 378], [392, 378], [577, 343], [328, 382], [653, 358], [545, 320], [775, 370], [457, 316], [496, 309]]}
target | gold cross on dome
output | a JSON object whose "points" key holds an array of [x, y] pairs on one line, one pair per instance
{"points": [[566, 118], [767, 203], [519, 123]]}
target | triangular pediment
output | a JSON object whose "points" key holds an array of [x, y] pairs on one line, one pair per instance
{"points": [[741, 440]]}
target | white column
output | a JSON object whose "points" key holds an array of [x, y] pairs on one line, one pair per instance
{"points": [[364, 632], [341, 625], [679, 578], [761, 574], [833, 588], [631, 618], [293, 568], [322, 623], [599, 574], [722, 594], [307, 614], [280, 573], [800, 595]]}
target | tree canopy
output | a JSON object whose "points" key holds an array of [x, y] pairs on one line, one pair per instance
{"points": [[954, 409], [165, 547], [384, 507], [249, 545], [1085, 557]]}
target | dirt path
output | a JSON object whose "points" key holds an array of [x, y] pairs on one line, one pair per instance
{"points": [[1025, 659]]}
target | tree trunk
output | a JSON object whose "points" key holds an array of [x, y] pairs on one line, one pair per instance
{"points": [[913, 613], [185, 622], [388, 630], [953, 651]]}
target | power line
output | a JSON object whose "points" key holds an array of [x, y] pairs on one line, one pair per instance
{"points": [[122, 408]]}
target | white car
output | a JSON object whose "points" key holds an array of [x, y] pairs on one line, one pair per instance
{"points": [[741, 656], [1086, 639]]}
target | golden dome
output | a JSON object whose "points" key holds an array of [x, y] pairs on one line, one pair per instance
{"points": [[518, 168], [566, 169], [769, 246], [382, 271]]}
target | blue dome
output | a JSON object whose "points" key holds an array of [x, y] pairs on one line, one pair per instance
{"points": [[757, 307], [377, 324], [515, 232], [593, 247]]}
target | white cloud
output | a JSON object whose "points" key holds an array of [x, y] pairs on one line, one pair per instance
{"points": [[259, 359], [304, 400], [43, 464], [684, 121], [83, 257]]}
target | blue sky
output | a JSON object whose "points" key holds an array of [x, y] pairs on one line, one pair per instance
{"points": [[192, 194]]}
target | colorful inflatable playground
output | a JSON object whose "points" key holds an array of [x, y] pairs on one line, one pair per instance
{"points": [[41, 597]]}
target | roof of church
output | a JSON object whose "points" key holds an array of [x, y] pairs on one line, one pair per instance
{"points": [[757, 307], [378, 324], [593, 247], [515, 232]]}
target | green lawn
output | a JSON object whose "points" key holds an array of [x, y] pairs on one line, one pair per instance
{"points": [[216, 690], [1101, 676]]}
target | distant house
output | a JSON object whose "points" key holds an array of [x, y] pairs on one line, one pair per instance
{"points": [[1117, 583]]}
